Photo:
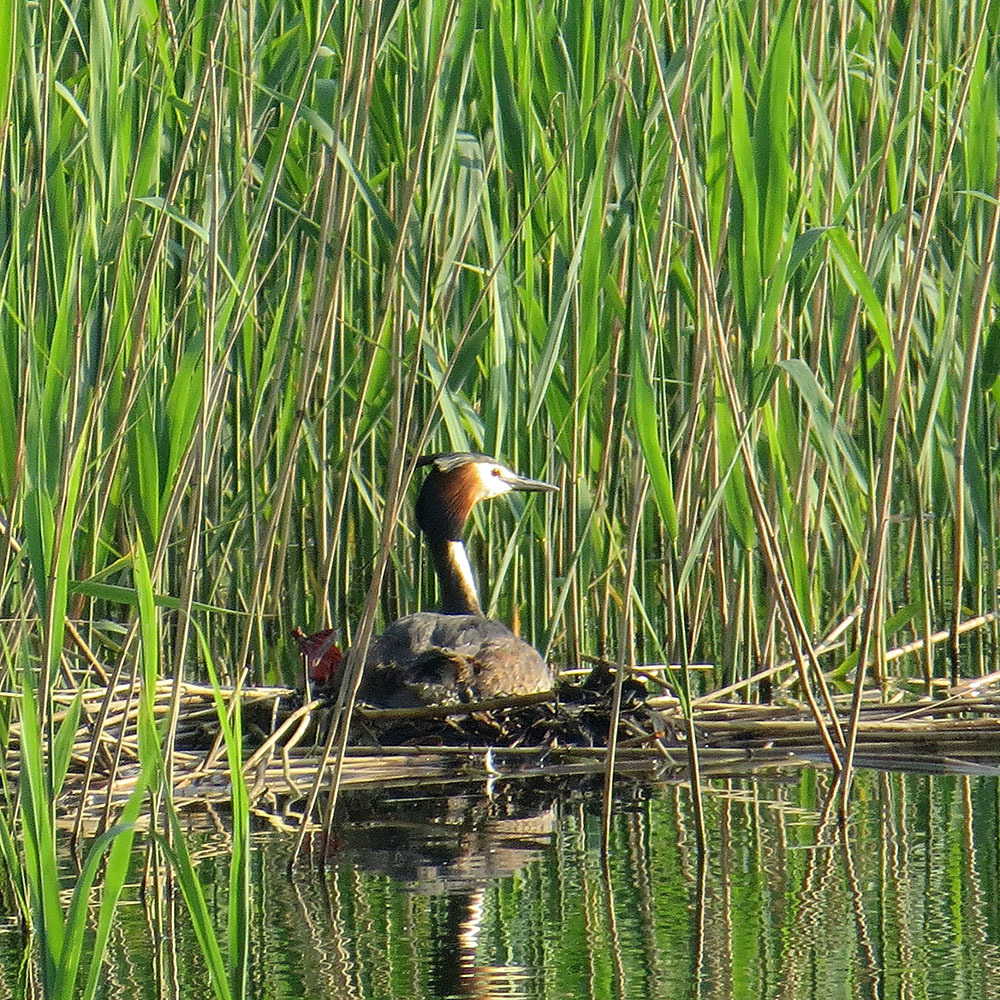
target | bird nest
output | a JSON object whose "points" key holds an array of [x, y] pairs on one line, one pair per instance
{"points": [[285, 740]]}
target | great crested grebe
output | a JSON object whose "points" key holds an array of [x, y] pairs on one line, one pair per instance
{"points": [[456, 654]]}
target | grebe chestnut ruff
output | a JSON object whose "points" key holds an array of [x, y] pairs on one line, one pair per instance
{"points": [[456, 654]]}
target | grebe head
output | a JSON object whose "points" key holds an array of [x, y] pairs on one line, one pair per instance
{"points": [[456, 483]]}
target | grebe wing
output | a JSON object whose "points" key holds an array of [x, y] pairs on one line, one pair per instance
{"points": [[431, 658]]}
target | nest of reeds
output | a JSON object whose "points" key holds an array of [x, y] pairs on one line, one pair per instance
{"points": [[285, 739]]}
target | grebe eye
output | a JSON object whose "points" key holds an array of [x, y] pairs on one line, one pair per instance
{"points": [[496, 472]]}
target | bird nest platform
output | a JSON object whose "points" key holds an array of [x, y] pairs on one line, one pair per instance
{"points": [[286, 740]]}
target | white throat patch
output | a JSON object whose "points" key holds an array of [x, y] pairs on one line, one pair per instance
{"points": [[459, 558]]}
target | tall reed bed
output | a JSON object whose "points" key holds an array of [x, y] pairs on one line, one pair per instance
{"points": [[726, 271], [255, 257]]}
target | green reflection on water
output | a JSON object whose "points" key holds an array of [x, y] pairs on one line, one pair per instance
{"points": [[902, 902]]}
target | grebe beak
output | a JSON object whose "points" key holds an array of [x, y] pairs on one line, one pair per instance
{"points": [[516, 482]]}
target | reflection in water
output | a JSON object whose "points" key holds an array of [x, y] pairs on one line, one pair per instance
{"points": [[451, 846], [454, 968], [445, 839], [472, 895]]}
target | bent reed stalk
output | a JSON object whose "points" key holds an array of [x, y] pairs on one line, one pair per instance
{"points": [[252, 258]]}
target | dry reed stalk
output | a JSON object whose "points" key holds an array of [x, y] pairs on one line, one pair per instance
{"points": [[626, 657], [934, 743], [353, 664], [961, 731], [456, 711], [825, 645], [892, 416], [770, 547], [981, 294], [300, 718]]}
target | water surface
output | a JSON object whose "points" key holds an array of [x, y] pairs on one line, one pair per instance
{"points": [[503, 891]]}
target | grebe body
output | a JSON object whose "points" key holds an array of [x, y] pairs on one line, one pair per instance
{"points": [[456, 654]]}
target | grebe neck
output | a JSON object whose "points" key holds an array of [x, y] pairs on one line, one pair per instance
{"points": [[454, 572]]}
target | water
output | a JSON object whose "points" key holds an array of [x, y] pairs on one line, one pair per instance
{"points": [[468, 895]]}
